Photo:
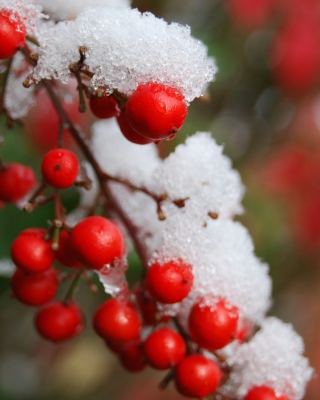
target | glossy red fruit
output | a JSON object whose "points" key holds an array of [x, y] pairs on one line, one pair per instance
{"points": [[31, 252], [128, 132], [34, 289], [60, 168], [131, 356], [164, 348], [117, 320], [197, 376], [16, 181], [263, 393], [12, 34], [213, 326], [59, 321], [156, 111], [65, 253], [96, 242], [171, 282], [104, 107]]}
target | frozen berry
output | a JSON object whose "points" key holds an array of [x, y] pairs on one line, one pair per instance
{"points": [[96, 242], [31, 252], [213, 326], [197, 376], [263, 393], [60, 168], [16, 181], [156, 111], [164, 348], [104, 107], [65, 253], [12, 34], [171, 282], [34, 289], [129, 133], [117, 320], [59, 321]]}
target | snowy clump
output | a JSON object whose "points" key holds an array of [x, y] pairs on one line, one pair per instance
{"points": [[6, 267], [199, 172], [273, 358], [62, 9], [25, 12], [222, 257], [120, 158], [125, 48], [18, 100]]}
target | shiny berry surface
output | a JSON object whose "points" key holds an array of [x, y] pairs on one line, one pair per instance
{"points": [[197, 376], [103, 107], [16, 181], [171, 282], [263, 393], [31, 252], [34, 289], [117, 320], [12, 35], [96, 242], [58, 321], [164, 348], [129, 133], [65, 253], [156, 111], [213, 326], [60, 168]]}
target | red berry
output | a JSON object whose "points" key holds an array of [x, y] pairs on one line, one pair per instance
{"points": [[129, 133], [117, 320], [16, 181], [96, 242], [156, 111], [164, 348], [65, 253], [250, 13], [31, 252], [263, 393], [60, 168], [197, 376], [12, 34], [59, 321], [171, 282], [104, 107], [131, 356], [213, 326], [34, 289]]}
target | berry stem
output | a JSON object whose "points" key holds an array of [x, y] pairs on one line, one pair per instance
{"points": [[167, 379], [72, 289], [5, 77]]}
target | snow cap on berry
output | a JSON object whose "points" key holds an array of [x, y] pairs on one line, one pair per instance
{"points": [[61, 9], [222, 257], [272, 358], [24, 12], [126, 48]]}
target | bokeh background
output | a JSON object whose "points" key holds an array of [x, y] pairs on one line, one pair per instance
{"points": [[265, 108]]}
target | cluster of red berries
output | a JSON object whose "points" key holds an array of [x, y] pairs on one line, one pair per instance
{"points": [[152, 113], [294, 56]]}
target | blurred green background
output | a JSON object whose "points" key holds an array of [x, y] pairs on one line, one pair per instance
{"points": [[269, 124]]}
